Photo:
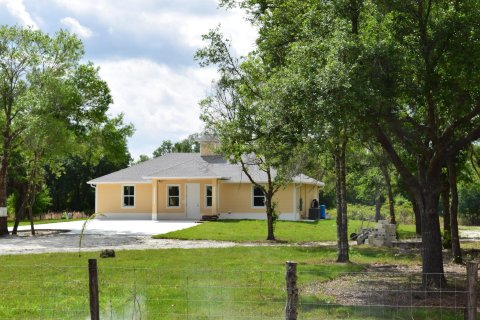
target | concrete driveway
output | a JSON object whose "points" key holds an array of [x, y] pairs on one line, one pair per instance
{"points": [[116, 227]]}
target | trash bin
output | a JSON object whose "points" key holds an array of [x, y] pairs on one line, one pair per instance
{"points": [[323, 211]]}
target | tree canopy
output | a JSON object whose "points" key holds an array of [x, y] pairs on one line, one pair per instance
{"points": [[402, 73], [51, 104]]}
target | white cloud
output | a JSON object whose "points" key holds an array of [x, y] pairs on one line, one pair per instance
{"points": [[160, 100], [18, 10], [75, 26], [161, 103], [146, 19]]}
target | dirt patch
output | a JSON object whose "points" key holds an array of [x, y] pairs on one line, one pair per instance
{"points": [[394, 286]]}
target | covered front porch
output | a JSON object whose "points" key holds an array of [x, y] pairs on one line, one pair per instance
{"points": [[184, 198]]}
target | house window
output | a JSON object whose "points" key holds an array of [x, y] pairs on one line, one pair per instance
{"points": [[258, 197], [208, 196], [173, 196], [128, 196]]}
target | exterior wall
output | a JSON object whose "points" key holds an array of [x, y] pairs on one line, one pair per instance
{"points": [[237, 198], [109, 200], [234, 200], [163, 211]]}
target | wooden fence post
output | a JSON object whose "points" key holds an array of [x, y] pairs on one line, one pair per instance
{"points": [[472, 277], [292, 291], [93, 285]]}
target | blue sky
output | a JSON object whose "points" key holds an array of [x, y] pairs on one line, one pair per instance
{"points": [[144, 49]]}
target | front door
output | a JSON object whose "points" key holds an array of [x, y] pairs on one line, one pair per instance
{"points": [[193, 200]]}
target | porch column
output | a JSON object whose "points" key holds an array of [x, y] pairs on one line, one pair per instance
{"points": [[154, 199], [295, 215], [214, 196]]}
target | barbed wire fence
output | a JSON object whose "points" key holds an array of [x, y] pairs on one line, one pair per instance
{"points": [[296, 292]]}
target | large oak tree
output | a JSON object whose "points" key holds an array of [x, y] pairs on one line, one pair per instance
{"points": [[409, 72]]}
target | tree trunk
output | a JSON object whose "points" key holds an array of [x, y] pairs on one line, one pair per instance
{"points": [[447, 237], [270, 219], [418, 217], [3, 188], [30, 208], [340, 187], [425, 188], [30, 216], [20, 213], [391, 201], [378, 207], [452, 179], [432, 262]]}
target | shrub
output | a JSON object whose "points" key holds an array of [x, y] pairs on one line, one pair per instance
{"points": [[469, 203]]}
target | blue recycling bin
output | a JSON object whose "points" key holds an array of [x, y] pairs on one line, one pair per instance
{"points": [[323, 211]]}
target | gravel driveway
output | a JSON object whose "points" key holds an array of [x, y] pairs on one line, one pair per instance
{"points": [[52, 241], [123, 235], [100, 234]]}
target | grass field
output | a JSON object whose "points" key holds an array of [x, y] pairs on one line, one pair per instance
{"points": [[289, 231], [230, 283]]}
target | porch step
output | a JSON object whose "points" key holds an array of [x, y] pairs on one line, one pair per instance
{"points": [[209, 218]]}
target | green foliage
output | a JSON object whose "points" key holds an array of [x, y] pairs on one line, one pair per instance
{"points": [[56, 110], [69, 190], [187, 145], [12, 201], [469, 203], [469, 187], [364, 212], [404, 212], [142, 158], [42, 201], [165, 147], [239, 114]]}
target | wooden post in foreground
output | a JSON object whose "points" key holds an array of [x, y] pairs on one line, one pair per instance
{"points": [[93, 285], [472, 278], [292, 291]]}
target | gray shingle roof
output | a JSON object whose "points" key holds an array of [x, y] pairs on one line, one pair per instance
{"points": [[189, 165]]}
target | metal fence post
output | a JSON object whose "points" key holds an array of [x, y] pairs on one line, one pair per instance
{"points": [[472, 277], [93, 285], [292, 291]]}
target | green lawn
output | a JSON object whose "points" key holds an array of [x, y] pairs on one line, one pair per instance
{"points": [[229, 283], [27, 223], [255, 230]]}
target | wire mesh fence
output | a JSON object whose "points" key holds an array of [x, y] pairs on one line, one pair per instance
{"points": [[62, 292]]}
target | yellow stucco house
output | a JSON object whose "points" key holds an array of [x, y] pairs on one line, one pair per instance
{"points": [[190, 185]]}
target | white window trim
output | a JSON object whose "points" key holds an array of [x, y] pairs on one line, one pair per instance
{"points": [[206, 197], [179, 195], [123, 196], [252, 198]]}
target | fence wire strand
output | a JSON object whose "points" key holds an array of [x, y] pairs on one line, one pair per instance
{"points": [[157, 293]]}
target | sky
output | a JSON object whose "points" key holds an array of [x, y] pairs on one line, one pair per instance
{"points": [[145, 50]]}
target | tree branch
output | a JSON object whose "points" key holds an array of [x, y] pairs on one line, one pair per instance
{"points": [[395, 158]]}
